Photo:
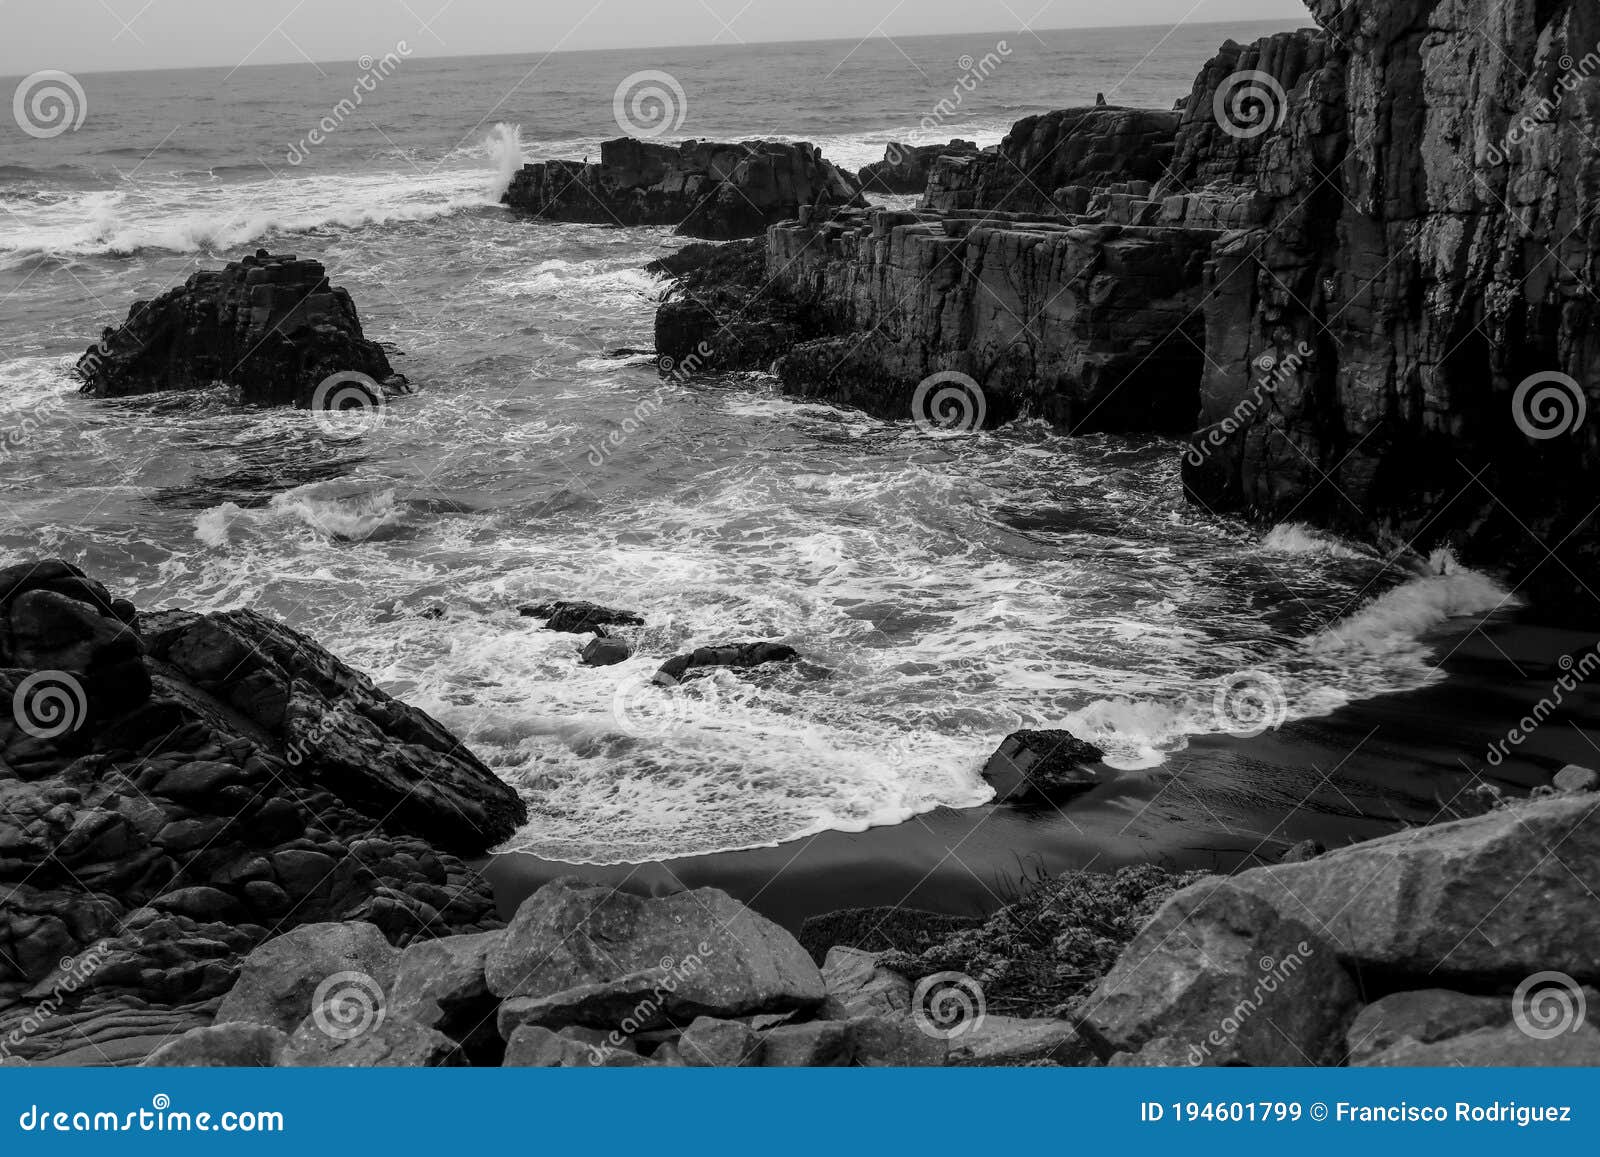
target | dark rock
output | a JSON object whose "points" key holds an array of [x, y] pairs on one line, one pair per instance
{"points": [[578, 618], [905, 168], [271, 326], [606, 652], [740, 656], [815, 1044], [895, 1042], [709, 190], [1042, 766], [440, 984]]}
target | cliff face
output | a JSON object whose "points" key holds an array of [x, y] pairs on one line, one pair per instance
{"points": [[1419, 296]]}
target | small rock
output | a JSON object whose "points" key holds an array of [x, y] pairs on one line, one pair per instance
{"points": [[223, 1046], [1303, 852], [722, 1044], [579, 618], [740, 656], [606, 651], [815, 1044], [1161, 1053], [1573, 778], [895, 1042], [857, 986], [1040, 766]]}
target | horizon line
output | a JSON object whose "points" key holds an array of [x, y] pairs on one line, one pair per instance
{"points": [[661, 47]]}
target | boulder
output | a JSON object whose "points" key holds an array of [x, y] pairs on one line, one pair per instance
{"points": [[613, 956], [271, 326], [531, 1046], [280, 981], [815, 1044], [706, 189], [606, 652], [393, 1042], [895, 1042], [1497, 897], [1503, 1046], [1420, 1018], [858, 986], [1225, 971], [1573, 778], [739, 656], [997, 1041], [440, 984], [223, 1046], [725, 1044], [1034, 767]]}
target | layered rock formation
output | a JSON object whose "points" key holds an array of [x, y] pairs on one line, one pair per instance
{"points": [[905, 168], [176, 787], [271, 326], [705, 189]]}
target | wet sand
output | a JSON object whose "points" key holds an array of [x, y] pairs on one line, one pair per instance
{"points": [[1222, 804]]}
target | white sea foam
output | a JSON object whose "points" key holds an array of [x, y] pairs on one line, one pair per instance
{"points": [[1298, 538]]}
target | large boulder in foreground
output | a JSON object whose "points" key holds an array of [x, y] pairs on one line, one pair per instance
{"points": [[718, 192], [271, 326], [668, 960], [344, 968], [1226, 974], [1498, 897]]}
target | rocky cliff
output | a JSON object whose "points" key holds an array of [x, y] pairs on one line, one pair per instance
{"points": [[705, 189], [176, 787]]}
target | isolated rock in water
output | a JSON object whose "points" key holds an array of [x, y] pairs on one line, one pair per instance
{"points": [[702, 953], [741, 656], [858, 986], [1497, 897], [271, 326], [1421, 1018], [1225, 972], [815, 1044], [1573, 778], [1038, 766], [904, 168], [282, 981], [606, 652], [715, 191], [1505, 1046], [224, 1046], [579, 618], [393, 1042], [439, 984]]}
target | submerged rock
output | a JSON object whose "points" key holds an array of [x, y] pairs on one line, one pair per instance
{"points": [[269, 325], [709, 190], [580, 618], [740, 656]]}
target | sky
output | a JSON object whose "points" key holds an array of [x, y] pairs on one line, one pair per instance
{"points": [[100, 35]]}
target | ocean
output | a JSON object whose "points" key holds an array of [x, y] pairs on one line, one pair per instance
{"points": [[944, 592]]}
